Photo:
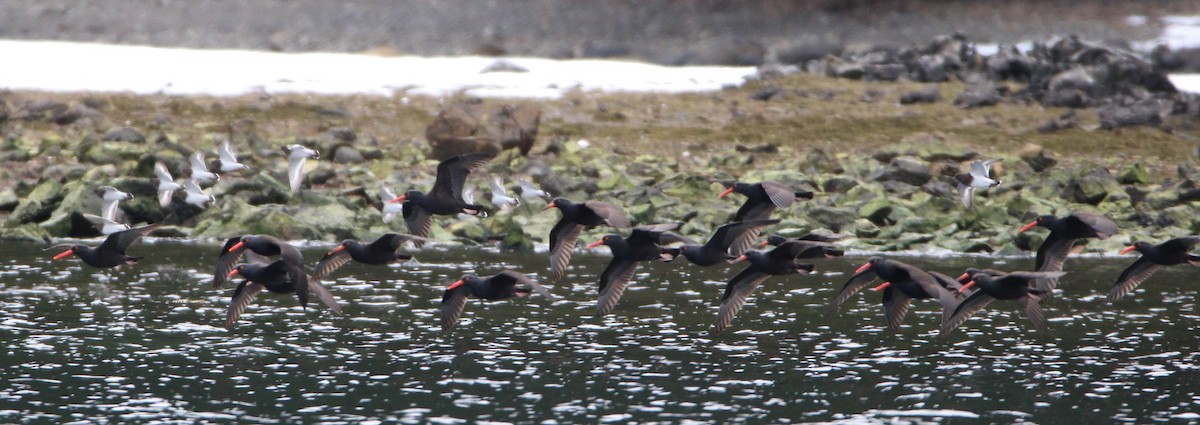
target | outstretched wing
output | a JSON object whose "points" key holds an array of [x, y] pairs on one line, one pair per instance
{"points": [[511, 278], [225, 153], [227, 260], [966, 194], [453, 302], [197, 163], [120, 241], [852, 286], [780, 195], [1051, 256], [1032, 304], [418, 221], [393, 241], [613, 280], [563, 237], [736, 291], [727, 234], [296, 171], [967, 308], [316, 288], [452, 173], [330, 263], [895, 306], [242, 297], [612, 215], [1103, 226], [1133, 276]]}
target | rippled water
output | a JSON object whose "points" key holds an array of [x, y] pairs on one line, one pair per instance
{"points": [[146, 344]]}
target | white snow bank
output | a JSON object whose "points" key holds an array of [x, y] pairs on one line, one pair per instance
{"points": [[68, 67]]}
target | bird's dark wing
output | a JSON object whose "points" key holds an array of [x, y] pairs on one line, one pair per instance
{"points": [[242, 297], [226, 261], [330, 263], [1033, 308], [562, 244], [323, 294], [852, 286], [508, 277], [667, 238], [1133, 276], [393, 241], [649, 233], [1103, 226], [613, 280], [935, 288], [800, 249], [1181, 244], [750, 211], [287, 252], [736, 291], [782, 196], [726, 235], [612, 215], [453, 302], [452, 174], [967, 308], [120, 241], [895, 307], [418, 221], [1051, 256]]}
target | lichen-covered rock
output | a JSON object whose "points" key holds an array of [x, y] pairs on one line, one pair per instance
{"points": [[38, 204], [1092, 188], [1134, 174], [28, 232], [1035, 156], [904, 170], [464, 128], [833, 218]]}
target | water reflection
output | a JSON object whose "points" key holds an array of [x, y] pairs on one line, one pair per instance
{"points": [[144, 344]]}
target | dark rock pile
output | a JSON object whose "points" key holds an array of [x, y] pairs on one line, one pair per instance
{"points": [[1126, 88]]}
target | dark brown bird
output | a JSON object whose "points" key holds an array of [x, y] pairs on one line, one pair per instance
{"points": [[267, 246], [380, 252], [761, 200], [277, 277], [902, 283], [641, 245], [1020, 286], [716, 250], [111, 252], [446, 196], [1172, 252], [1063, 233], [576, 218], [762, 264], [503, 285]]}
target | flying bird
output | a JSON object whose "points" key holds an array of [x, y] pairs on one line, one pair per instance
{"points": [[228, 160], [529, 191], [1063, 232], [446, 196], [761, 200], [105, 225], [641, 245], [196, 195], [761, 264], [979, 177], [166, 184], [297, 155], [277, 277], [379, 252], [1170, 253], [110, 197], [111, 252], [1019, 286], [576, 218], [500, 196], [200, 171], [503, 285], [716, 250], [389, 209]]}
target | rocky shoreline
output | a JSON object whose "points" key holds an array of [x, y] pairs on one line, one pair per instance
{"points": [[1080, 126]]}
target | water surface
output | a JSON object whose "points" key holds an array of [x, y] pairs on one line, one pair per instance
{"points": [[146, 344]]}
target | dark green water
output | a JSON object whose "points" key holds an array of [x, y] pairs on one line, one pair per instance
{"points": [[145, 344]]}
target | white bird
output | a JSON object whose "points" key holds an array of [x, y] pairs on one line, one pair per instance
{"points": [[297, 154], [200, 171], [196, 195], [390, 209], [105, 225], [500, 196], [979, 177], [110, 197], [166, 184], [529, 191], [229, 161]]}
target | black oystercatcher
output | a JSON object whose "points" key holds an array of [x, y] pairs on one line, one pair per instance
{"points": [[111, 252], [902, 283], [379, 252], [503, 285], [1063, 233], [716, 250], [761, 200], [277, 277], [576, 218], [762, 264], [1020, 286], [628, 253], [979, 177], [231, 254], [1172, 252], [446, 196]]}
